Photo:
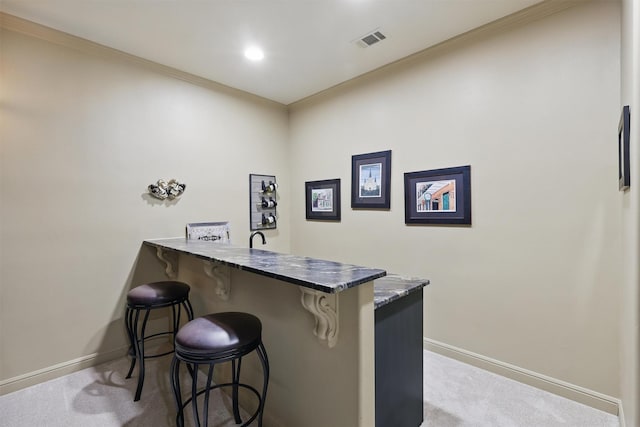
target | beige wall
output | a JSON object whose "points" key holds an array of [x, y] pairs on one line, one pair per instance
{"points": [[83, 135], [630, 202], [535, 282]]}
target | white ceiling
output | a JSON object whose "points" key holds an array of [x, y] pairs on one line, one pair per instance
{"points": [[308, 44]]}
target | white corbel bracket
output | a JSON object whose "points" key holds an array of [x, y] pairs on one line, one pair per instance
{"points": [[324, 308], [170, 258], [222, 275]]}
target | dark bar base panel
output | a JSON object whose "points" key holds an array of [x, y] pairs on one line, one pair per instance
{"points": [[398, 336]]}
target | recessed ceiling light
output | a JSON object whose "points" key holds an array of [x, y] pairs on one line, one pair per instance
{"points": [[253, 53]]}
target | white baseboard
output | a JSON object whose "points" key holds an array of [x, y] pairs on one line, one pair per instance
{"points": [[621, 419], [552, 385], [41, 375]]}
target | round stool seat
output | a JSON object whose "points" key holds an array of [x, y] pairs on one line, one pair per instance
{"points": [[158, 293], [212, 339], [220, 335]]}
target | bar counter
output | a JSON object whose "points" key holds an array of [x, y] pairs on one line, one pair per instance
{"points": [[325, 276], [319, 327]]}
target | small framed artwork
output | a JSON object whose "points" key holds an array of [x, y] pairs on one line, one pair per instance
{"points": [[218, 232], [323, 199], [624, 180], [438, 196], [371, 180]]}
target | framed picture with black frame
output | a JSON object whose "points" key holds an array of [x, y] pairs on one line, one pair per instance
{"points": [[371, 180], [323, 200], [624, 128], [438, 196]]}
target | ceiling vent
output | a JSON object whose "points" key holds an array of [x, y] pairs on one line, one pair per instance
{"points": [[370, 39]]}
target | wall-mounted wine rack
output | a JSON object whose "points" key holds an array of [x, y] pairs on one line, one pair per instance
{"points": [[262, 202]]}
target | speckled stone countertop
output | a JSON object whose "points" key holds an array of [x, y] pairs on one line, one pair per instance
{"points": [[325, 276], [393, 287]]}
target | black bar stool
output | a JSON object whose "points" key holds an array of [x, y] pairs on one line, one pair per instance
{"points": [[212, 339], [149, 297]]}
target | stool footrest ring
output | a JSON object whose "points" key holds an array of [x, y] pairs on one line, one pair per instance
{"points": [[246, 386]]}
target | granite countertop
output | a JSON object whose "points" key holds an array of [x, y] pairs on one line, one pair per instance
{"points": [[326, 276], [393, 287]]}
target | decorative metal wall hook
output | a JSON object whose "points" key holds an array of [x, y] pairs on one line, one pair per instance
{"points": [[166, 190]]}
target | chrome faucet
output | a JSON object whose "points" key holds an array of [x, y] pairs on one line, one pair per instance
{"points": [[264, 241]]}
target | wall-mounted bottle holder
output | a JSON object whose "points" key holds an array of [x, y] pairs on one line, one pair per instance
{"points": [[263, 195]]}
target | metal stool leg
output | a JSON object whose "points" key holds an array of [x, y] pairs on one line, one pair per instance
{"points": [[205, 415], [134, 317], [140, 352], [189, 309], [177, 393], [234, 393], [194, 394], [176, 321], [187, 305], [262, 354], [128, 318]]}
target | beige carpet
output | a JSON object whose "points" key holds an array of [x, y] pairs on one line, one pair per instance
{"points": [[456, 394]]}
